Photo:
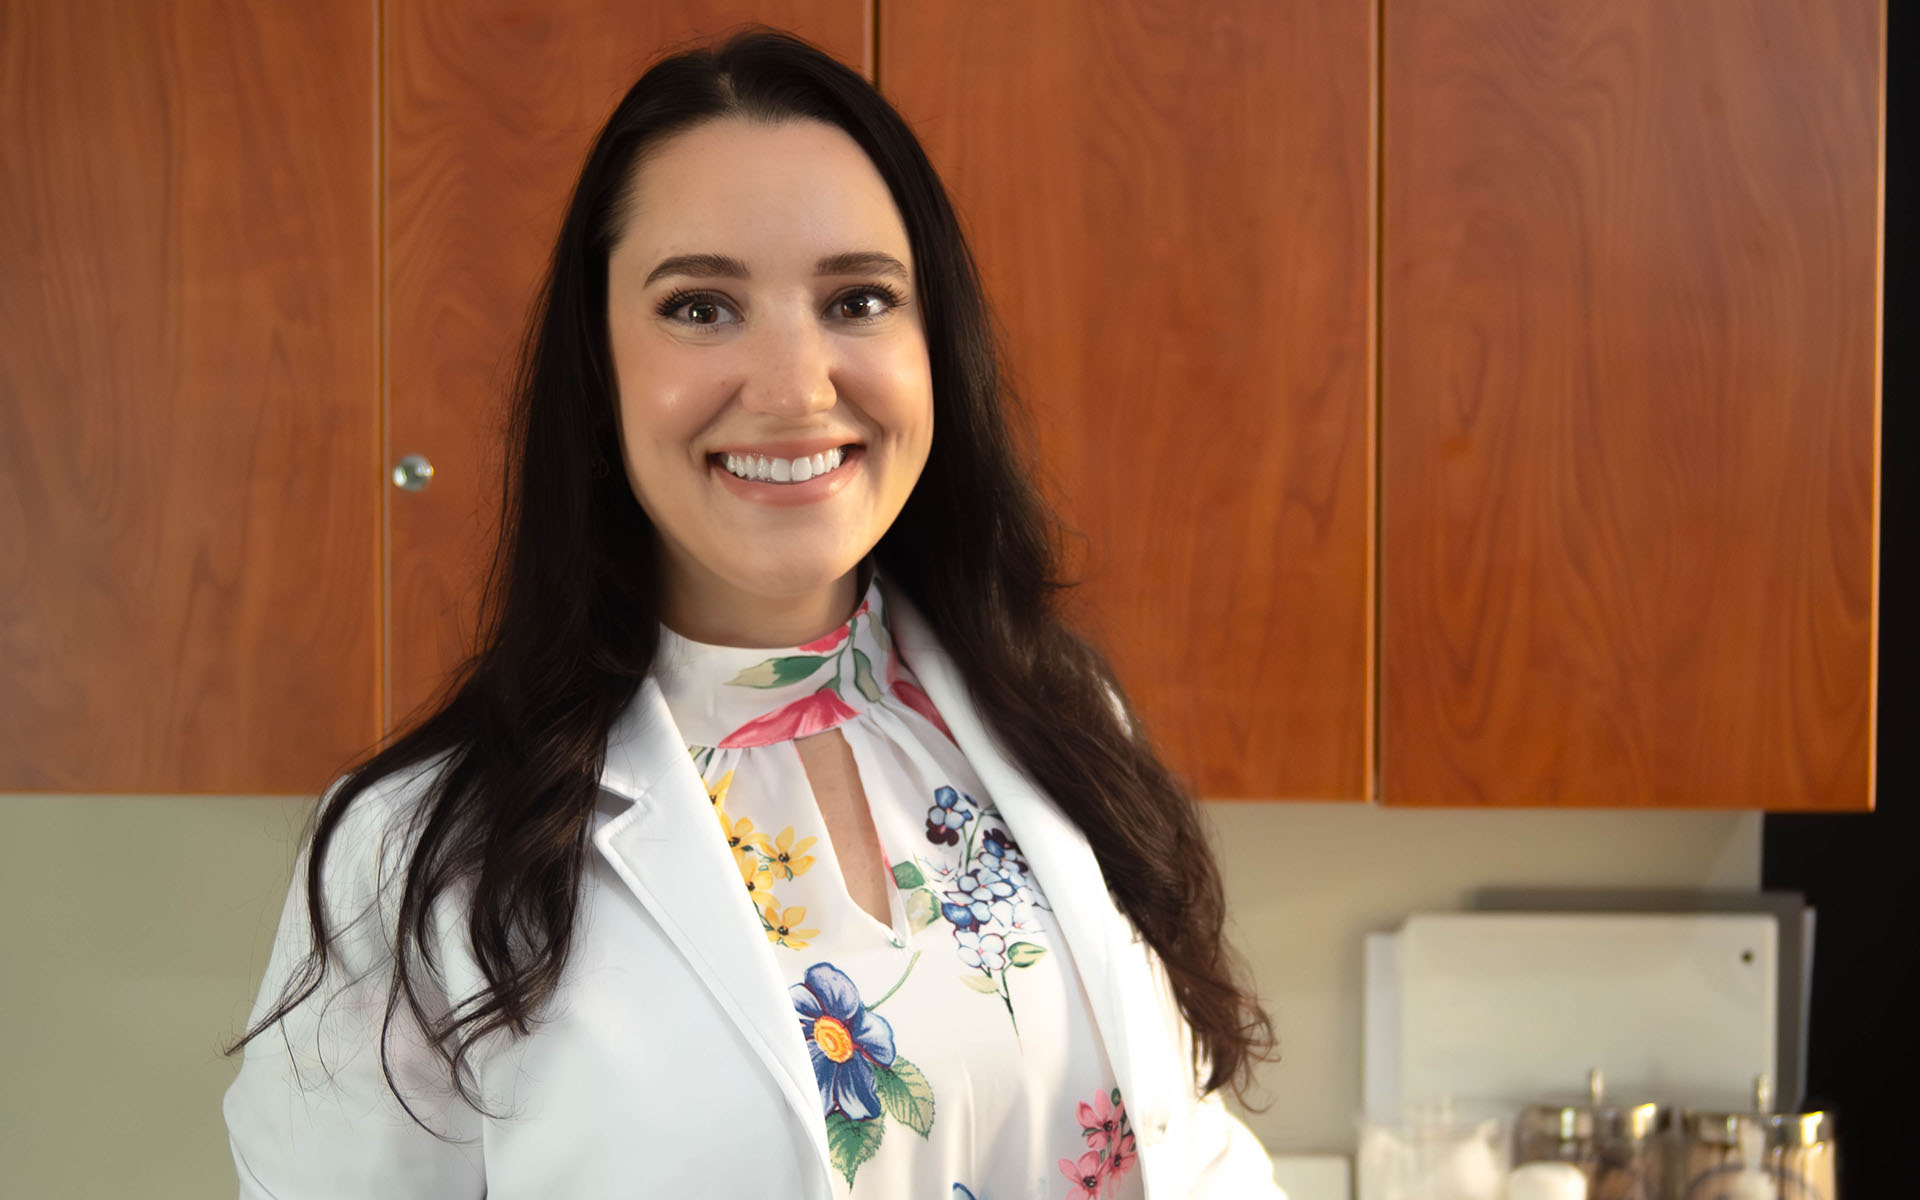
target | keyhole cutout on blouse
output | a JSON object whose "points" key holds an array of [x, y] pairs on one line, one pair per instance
{"points": [[835, 780]]}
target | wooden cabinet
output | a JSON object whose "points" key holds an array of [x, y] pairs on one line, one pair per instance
{"points": [[189, 396], [1172, 208], [1630, 401], [1458, 401], [255, 253], [1627, 346]]}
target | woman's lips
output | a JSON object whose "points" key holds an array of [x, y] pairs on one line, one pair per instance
{"points": [[787, 449], [819, 487]]}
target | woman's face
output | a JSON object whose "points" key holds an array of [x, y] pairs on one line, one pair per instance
{"points": [[776, 405]]}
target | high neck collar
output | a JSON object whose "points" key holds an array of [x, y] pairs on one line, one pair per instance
{"points": [[727, 696]]}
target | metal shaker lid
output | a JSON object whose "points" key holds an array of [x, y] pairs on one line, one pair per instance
{"points": [[1595, 1119], [1778, 1129]]}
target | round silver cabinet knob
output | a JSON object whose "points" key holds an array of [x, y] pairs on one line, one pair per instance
{"points": [[412, 473]]}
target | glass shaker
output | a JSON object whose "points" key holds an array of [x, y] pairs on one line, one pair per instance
{"points": [[1758, 1155], [1620, 1148]]}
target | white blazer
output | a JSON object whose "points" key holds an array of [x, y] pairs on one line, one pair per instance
{"points": [[668, 1064]]}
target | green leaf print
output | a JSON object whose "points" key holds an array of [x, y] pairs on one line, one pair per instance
{"points": [[907, 874], [984, 984], [922, 909], [1024, 954], [906, 1095], [778, 672], [863, 675], [850, 1143]]}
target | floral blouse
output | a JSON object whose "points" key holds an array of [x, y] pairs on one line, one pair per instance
{"points": [[953, 1044]]}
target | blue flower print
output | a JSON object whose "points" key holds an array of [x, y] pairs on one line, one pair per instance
{"points": [[979, 897], [982, 951], [844, 1039], [1001, 854], [948, 814], [982, 889], [960, 916]]}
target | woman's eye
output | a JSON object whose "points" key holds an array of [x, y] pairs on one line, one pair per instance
{"points": [[867, 303], [701, 311], [705, 312]]}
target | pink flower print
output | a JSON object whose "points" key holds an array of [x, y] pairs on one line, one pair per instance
{"points": [[911, 695], [1102, 1123], [1085, 1176], [1123, 1158], [1110, 1149], [807, 715], [821, 645], [915, 699]]}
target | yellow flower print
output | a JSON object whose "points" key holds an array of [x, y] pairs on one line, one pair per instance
{"points": [[741, 839], [754, 873], [783, 925], [784, 858], [717, 792]]}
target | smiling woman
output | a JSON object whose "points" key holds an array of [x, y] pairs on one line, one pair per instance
{"points": [[737, 368], [775, 724]]}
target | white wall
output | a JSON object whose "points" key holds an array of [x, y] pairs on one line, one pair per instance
{"points": [[1306, 881], [135, 929]]}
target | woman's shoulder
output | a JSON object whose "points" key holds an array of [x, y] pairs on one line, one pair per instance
{"points": [[390, 802], [367, 852]]}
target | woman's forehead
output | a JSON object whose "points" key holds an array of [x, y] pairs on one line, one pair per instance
{"points": [[775, 196]]}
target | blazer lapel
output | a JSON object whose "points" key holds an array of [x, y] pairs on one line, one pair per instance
{"points": [[1118, 986], [667, 849]]}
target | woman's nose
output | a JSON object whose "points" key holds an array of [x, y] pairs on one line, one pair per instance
{"points": [[790, 372]]}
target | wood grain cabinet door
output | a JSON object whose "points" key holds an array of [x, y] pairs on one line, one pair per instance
{"points": [[1630, 402], [188, 395], [490, 108], [1171, 204]]}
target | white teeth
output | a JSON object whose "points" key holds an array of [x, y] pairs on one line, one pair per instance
{"points": [[783, 470]]}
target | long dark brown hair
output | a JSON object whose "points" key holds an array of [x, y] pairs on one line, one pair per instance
{"points": [[520, 734]]}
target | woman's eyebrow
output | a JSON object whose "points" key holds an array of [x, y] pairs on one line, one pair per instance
{"points": [[861, 262], [722, 266], [704, 266]]}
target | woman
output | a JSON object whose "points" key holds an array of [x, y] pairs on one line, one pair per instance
{"points": [[780, 840]]}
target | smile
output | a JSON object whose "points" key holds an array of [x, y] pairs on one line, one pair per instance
{"points": [[796, 475], [761, 469]]}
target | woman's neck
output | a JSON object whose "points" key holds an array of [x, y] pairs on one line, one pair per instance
{"points": [[704, 608]]}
